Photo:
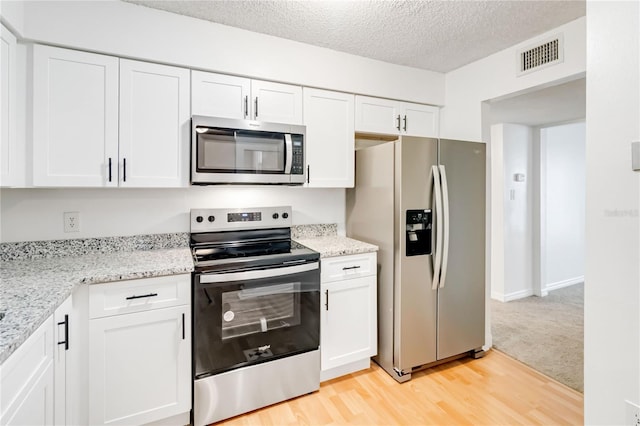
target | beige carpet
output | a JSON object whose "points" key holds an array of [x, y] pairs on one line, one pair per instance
{"points": [[546, 333]]}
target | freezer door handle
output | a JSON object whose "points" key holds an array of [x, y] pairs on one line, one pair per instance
{"points": [[445, 220], [437, 257]]}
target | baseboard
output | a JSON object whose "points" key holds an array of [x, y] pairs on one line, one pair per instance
{"points": [[511, 296], [564, 283], [343, 370]]}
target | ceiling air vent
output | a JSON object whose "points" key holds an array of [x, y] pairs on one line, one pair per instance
{"points": [[549, 52]]}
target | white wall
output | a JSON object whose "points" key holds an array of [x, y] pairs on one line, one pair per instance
{"points": [[496, 76], [515, 247], [612, 287], [563, 204], [129, 30], [36, 214]]}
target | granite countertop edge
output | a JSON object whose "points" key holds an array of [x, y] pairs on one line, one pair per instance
{"points": [[54, 280]]}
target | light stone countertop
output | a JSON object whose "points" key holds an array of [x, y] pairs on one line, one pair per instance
{"points": [[335, 245], [31, 290], [324, 239], [34, 281]]}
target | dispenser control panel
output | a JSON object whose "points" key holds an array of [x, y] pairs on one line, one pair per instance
{"points": [[418, 232]]}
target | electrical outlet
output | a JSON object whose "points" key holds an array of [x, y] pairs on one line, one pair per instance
{"points": [[71, 221], [633, 414]]}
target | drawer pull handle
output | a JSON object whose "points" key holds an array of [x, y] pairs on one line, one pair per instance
{"points": [[326, 304], [350, 267], [142, 296], [182, 326]]}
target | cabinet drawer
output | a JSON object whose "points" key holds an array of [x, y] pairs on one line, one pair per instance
{"points": [[345, 267], [138, 295], [24, 368]]}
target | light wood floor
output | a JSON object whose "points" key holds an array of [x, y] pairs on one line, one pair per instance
{"points": [[494, 390]]}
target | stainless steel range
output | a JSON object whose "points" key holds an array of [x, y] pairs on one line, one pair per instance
{"points": [[256, 321]]}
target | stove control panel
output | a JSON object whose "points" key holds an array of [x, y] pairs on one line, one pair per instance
{"points": [[213, 220]]}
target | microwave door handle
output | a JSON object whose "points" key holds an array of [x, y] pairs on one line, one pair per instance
{"points": [[288, 147]]}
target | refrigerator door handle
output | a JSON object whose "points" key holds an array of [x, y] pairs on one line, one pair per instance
{"points": [[437, 257], [445, 219]]}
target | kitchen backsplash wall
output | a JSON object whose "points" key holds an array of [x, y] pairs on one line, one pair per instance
{"points": [[37, 214]]}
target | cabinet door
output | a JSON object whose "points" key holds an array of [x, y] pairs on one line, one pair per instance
{"points": [[26, 381], [328, 117], [218, 95], [276, 103], [8, 84], [61, 360], [375, 115], [154, 125], [140, 366], [348, 324], [75, 118], [36, 407], [420, 120]]}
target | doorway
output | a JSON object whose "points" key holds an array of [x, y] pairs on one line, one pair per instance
{"points": [[537, 231]]}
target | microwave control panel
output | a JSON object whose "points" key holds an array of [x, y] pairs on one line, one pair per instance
{"points": [[297, 163]]}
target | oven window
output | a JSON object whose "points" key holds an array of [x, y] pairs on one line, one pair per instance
{"points": [[246, 322], [258, 310], [240, 151]]}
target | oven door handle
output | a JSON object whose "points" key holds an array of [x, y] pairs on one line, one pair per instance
{"points": [[257, 274]]}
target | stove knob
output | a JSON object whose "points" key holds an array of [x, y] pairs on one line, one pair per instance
{"points": [[285, 215], [275, 215], [199, 219], [212, 218]]}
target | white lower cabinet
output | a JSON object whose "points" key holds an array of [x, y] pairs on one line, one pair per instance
{"points": [[348, 328], [27, 381], [140, 360]]}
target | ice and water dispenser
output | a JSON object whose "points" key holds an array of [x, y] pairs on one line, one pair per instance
{"points": [[418, 234]]}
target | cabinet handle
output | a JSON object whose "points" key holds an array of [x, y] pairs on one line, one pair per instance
{"points": [[246, 106], [124, 169], [308, 173], [183, 326], [142, 296], [326, 303], [346, 268], [65, 342], [256, 110], [109, 169], [405, 123], [398, 125]]}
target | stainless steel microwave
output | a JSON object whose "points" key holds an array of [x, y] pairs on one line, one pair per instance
{"points": [[246, 152]]}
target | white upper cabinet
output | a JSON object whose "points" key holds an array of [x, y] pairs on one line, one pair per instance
{"points": [[276, 102], [420, 120], [103, 122], [154, 125], [8, 140], [219, 95], [75, 118], [389, 117], [329, 119]]}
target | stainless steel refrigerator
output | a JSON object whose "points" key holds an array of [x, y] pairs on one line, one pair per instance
{"points": [[422, 202]]}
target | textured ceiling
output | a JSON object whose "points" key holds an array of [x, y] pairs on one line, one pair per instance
{"points": [[433, 35]]}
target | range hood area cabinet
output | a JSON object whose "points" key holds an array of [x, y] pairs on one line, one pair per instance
{"points": [[227, 96], [330, 138], [389, 117], [101, 121]]}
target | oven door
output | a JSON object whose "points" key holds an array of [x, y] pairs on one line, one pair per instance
{"points": [[249, 317]]}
